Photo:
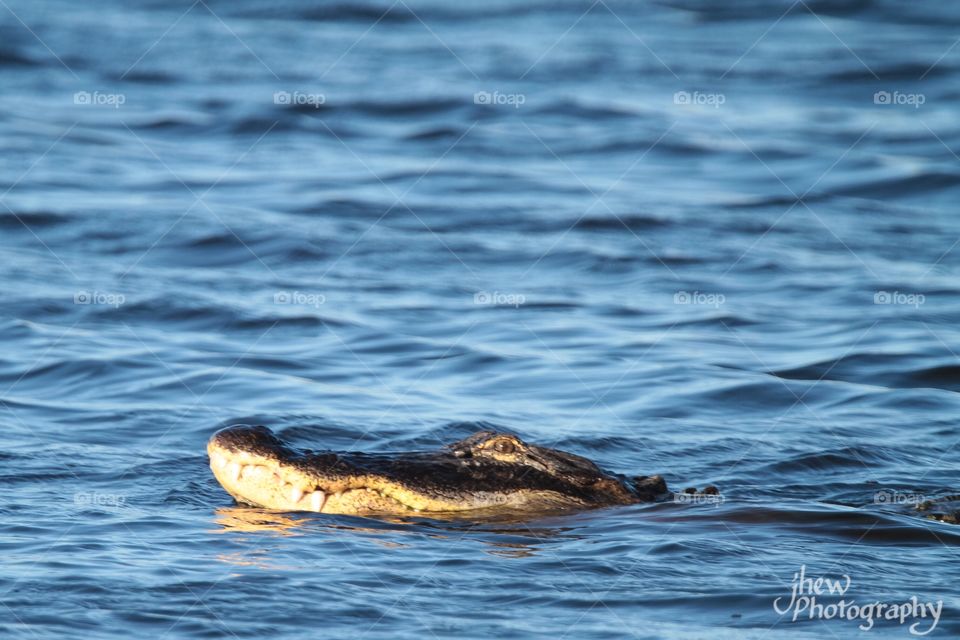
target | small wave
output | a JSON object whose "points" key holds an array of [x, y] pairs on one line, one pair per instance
{"points": [[198, 313], [831, 460], [78, 371], [405, 108], [623, 222], [718, 320], [173, 122], [859, 524], [941, 377], [771, 202], [291, 114], [594, 112], [369, 12], [151, 77], [12, 58], [437, 133], [926, 182], [260, 124], [885, 370], [903, 72], [240, 246], [25, 220], [345, 207], [301, 321], [767, 10], [350, 11]]}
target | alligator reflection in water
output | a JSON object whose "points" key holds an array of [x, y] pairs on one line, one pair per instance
{"points": [[240, 519], [510, 536]]}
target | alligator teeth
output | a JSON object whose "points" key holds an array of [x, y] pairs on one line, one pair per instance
{"points": [[249, 470], [295, 494], [218, 461], [233, 471], [317, 498]]}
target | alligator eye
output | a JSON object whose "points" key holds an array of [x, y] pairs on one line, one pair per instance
{"points": [[504, 446]]}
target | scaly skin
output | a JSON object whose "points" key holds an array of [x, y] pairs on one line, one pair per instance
{"points": [[487, 471], [945, 508]]}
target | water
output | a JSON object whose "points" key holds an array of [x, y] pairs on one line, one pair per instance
{"points": [[675, 237]]}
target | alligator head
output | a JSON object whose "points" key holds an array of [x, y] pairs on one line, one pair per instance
{"points": [[488, 470]]}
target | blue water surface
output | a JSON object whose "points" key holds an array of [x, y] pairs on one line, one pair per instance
{"points": [[716, 241]]}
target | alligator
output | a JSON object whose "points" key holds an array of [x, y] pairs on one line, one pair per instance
{"points": [[486, 471], [944, 509]]}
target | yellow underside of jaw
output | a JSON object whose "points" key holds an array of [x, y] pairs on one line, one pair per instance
{"points": [[262, 482]]}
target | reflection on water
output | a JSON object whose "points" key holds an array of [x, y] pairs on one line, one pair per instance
{"points": [[254, 559], [511, 533], [247, 519], [511, 550]]}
